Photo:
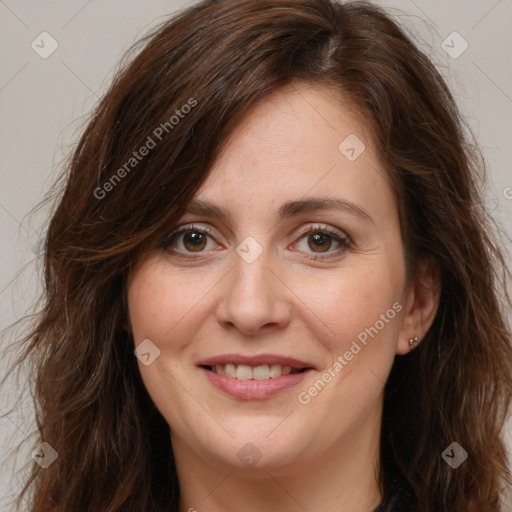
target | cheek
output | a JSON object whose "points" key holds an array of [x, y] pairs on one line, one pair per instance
{"points": [[161, 301], [356, 316], [344, 304], [164, 308]]}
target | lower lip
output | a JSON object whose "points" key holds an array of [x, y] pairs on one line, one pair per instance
{"points": [[254, 389]]}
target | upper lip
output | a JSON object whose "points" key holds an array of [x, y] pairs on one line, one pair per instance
{"points": [[255, 360]]}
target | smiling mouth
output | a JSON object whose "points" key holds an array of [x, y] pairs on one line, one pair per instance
{"points": [[246, 372]]}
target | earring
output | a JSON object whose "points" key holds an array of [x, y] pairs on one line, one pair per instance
{"points": [[413, 342]]}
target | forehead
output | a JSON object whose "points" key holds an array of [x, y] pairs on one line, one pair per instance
{"points": [[299, 140]]}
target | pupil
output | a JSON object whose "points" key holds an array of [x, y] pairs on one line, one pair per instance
{"points": [[194, 240], [319, 241]]}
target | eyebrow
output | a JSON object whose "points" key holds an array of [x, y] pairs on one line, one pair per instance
{"points": [[288, 209]]}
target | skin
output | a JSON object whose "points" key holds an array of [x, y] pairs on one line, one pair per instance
{"points": [[323, 455]]}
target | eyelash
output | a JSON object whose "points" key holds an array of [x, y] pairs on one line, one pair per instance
{"points": [[337, 236]]}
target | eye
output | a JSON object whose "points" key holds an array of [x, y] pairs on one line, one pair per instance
{"points": [[190, 239], [320, 239]]}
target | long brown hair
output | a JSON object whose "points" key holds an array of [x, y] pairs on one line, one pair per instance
{"points": [[187, 86]]}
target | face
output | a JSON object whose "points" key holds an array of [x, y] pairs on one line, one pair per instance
{"points": [[286, 277]]}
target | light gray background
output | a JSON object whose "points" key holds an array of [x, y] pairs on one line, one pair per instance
{"points": [[42, 102]]}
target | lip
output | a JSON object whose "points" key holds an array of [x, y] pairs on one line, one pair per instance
{"points": [[254, 389], [256, 360]]}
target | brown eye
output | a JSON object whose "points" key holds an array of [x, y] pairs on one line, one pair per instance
{"points": [[319, 242], [189, 240], [322, 242], [194, 241]]}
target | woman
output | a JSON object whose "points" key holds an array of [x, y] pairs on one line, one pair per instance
{"points": [[270, 280]]}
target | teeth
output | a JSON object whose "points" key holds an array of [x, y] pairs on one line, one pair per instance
{"points": [[230, 370], [243, 372], [261, 372], [246, 372]]}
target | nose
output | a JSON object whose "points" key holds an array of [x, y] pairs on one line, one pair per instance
{"points": [[254, 298]]}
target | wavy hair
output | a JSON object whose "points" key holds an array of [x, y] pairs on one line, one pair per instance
{"points": [[220, 58]]}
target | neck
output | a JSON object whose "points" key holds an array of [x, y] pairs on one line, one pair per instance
{"points": [[342, 480]]}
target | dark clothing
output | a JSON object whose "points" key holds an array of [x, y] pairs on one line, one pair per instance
{"points": [[399, 498]]}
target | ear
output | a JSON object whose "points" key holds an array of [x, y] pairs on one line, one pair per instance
{"points": [[421, 300]]}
